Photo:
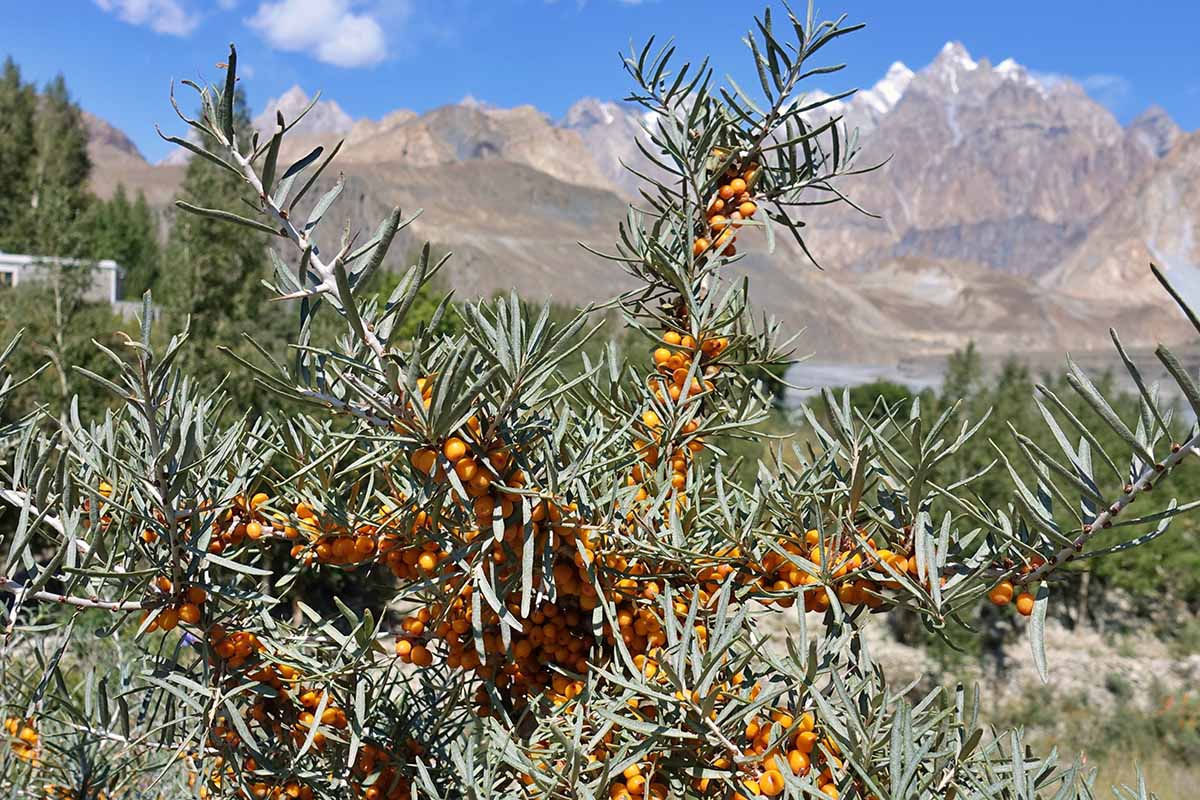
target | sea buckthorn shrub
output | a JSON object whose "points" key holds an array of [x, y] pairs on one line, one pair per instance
{"points": [[578, 599]]}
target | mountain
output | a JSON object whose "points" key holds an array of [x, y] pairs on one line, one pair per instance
{"points": [[1154, 130], [986, 164], [864, 109], [1155, 220], [463, 132], [610, 132], [108, 145], [325, 116], [1012, 209]]}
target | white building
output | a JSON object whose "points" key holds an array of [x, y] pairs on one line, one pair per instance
{"points": [[106, 274]]}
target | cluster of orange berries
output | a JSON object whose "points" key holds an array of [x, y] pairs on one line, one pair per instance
{"points": [[379, 541], [646, 778], [787, 742], [288, 790], [729, 209], [288, 711], [23, 738], [291, 789], [779, 574], [376, 773], [185, 606], [57, 791], [673, 362], [639, 780], [554, 635], [1005, 591], [329, 542], [105, 490], [773, 743], [239, 647], [241, 521]]}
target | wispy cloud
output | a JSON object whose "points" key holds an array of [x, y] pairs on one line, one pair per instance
{"points": [[161, 16], [1111, 90], [337, 32], [1108, 89]]}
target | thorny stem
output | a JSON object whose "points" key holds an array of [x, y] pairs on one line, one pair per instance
{"points": [[1150, 473], [160, 475], [20, 590], [327, 272]]}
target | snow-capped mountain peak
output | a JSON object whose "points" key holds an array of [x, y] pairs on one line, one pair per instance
{"points": [[952, 62], [883, 96], [954, 56], [591, 111]]}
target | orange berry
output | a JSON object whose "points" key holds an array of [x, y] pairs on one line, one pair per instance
{"points": [[1025, 604], [422, 460], [421, 656], [189, 613], [747, 209], [466, 469], [770, 783], [1001, 594], [454, 448]]}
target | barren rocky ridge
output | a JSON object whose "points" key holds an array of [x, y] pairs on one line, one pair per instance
{"points": [[998, 186]]}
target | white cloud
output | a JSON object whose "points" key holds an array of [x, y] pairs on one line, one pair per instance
{"points": [[330, 30], [161, 16], [1111, 90], [1105, 88]]}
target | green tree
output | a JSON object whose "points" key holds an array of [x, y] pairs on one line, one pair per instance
{"points": [[18, 101], [59, 325], [61, 166], [127, 233]]}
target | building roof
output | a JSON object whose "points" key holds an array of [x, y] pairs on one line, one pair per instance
{"points": [[20, 260]]}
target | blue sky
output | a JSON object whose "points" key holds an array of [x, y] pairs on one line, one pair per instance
{"points": [[372, 57]]}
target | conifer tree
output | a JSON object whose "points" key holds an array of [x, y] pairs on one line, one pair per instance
{"points": [[59, 197], [17, 103], [126, 232]]}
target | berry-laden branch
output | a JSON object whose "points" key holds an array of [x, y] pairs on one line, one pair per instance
{"points": [[1145, 481]]}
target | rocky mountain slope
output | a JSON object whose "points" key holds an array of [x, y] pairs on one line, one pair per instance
{"points": [[1014, 211]]}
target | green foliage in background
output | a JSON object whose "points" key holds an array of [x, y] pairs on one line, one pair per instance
{"points": [[127, 232], [1159, 582]]}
